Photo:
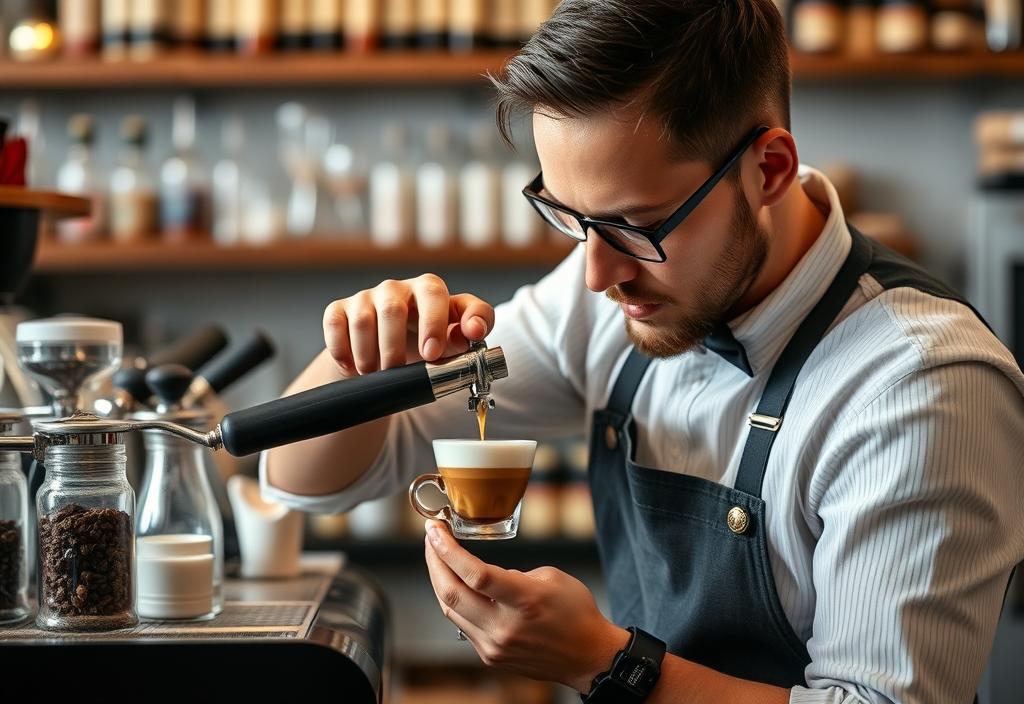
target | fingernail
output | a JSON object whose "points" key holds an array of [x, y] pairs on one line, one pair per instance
{"points": [[479, 321], [432, 349], [434, 535]]}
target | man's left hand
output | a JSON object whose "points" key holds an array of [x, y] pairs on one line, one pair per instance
{"points": [[543, 624]]}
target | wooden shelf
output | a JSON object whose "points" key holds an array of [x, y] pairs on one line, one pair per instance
{"points": [[58, 205], [222, 71], [930, 66], [433, 67], [301, 254]]}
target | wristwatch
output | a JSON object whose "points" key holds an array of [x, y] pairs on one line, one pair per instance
{"points": [[633, 673]]}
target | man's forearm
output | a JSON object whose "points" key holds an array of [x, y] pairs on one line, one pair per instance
{"points": [[327, 464]]}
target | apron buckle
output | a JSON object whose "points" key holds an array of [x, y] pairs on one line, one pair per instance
{"points": [[764, 422]]}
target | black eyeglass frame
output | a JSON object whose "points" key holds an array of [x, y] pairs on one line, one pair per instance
{"points": [[656, 236]]}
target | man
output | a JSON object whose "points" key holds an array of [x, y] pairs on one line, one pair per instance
{"points": [[804, 450]]}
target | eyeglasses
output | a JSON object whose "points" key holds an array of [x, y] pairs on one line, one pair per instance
{"points": [[641, 243]]}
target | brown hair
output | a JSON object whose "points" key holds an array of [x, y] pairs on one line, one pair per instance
{"points": [[708, 69]]}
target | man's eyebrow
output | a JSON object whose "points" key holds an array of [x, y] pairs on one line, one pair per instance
{"points": [[625, 211]]}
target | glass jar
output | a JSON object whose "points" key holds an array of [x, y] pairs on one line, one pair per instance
{"points": [[181, 575], [86, 543], [860, 28], [13, 532]]}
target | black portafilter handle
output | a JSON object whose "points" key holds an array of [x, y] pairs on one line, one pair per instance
{"points": [[344, 404], [133, 381], [230, 366], [192, 351], [326, 409], [169, 382]]}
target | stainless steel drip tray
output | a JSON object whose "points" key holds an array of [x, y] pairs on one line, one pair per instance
{"points": [[274, 640]]}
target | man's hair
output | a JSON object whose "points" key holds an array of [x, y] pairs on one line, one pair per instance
{"points": [[709, 70]]}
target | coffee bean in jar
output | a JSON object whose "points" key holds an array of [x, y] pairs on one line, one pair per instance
{"points": [[85, 559], [12, 564]]}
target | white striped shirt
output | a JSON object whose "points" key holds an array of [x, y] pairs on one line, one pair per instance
{"points": [[895, 506]]}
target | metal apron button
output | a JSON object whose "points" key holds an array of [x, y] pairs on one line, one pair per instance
{"points": [[611, 437], [738, 520]]}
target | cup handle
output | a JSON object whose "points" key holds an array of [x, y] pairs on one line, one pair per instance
{"points": [[442, 514]]}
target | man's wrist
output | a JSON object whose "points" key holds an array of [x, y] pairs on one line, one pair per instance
{"points": [[600, 658]]}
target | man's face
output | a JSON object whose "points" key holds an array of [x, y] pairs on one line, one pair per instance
{"points": [[611, 167]]}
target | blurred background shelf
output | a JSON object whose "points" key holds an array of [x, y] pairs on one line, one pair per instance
{"points": [[198, 70], [296, 254]]}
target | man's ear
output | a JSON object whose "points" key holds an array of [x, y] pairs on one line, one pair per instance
{"points": [[777, 163]]}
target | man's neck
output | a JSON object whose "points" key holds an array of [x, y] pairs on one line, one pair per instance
{"points": [[793, 226]]}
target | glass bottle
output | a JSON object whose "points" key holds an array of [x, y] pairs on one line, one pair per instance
{"points": [[1003, 24], [817, 26], [432, 24], [255, 26], [78, 175], [520, 226], [186, 27], [437, 190], [480, 191], [295, 25], [391, 191], [467, 25], [14, 531], [860, 28], [361, 23], [79, 27], [148, 24], [176, 505], [505, 23], [325, 25], [227, 185], [114, 27], [86, 538], [219, 30], [398, 29], [132, 196], [183, 183]]}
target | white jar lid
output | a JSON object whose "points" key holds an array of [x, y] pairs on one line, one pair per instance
{"points": [[71, 329]]}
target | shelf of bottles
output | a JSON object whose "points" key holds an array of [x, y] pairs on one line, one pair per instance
{"points": [[82, 44]]}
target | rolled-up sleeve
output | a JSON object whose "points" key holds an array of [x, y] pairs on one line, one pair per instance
{"points": [[920, 528]]}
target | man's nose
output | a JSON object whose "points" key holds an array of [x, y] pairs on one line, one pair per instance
{"points": [[607, 266]]}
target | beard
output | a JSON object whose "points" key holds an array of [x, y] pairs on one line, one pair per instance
{"points": [[715, 297]]}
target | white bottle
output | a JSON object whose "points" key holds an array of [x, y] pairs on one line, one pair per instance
{"points": [[391, 191], [78, 175], [521, 225], [480, 192], [437, 190], [227, 185]]}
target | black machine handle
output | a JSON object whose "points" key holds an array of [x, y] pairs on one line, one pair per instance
{"points": [[169, 382], [194, 350], [326, 409], [227, 368]]}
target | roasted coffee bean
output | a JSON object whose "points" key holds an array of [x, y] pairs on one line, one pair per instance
{"points": [[86, 561], [12, 560]]}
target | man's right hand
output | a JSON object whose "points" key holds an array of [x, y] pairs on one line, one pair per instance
{"points": [[400, 322]]}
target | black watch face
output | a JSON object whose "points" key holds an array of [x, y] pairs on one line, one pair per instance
{"points": [[637, 674]]}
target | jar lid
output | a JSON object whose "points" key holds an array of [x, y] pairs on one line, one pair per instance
{"points": [[82, 423], [70, 329]]}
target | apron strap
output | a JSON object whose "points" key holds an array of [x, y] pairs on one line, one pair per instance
{"points": [[766, 421], [628, 381]]}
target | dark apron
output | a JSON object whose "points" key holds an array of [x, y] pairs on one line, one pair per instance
{"points": [[685, 558]]}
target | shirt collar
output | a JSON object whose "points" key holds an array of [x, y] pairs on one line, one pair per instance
{"points": [[754, 340]]}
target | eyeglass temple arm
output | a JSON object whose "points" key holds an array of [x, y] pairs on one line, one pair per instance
{"points": [[701, 193]]}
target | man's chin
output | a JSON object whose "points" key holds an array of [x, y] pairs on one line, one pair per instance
{"points": [[655, 341]]}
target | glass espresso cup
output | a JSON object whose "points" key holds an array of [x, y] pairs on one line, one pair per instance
{"points": [[484, 482]]}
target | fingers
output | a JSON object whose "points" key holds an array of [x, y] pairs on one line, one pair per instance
{"points": [[336, 337], [397, 322], [391, 304], [362, 332], [481, 578], [458, 602], [432, 304], [474, 315]]}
